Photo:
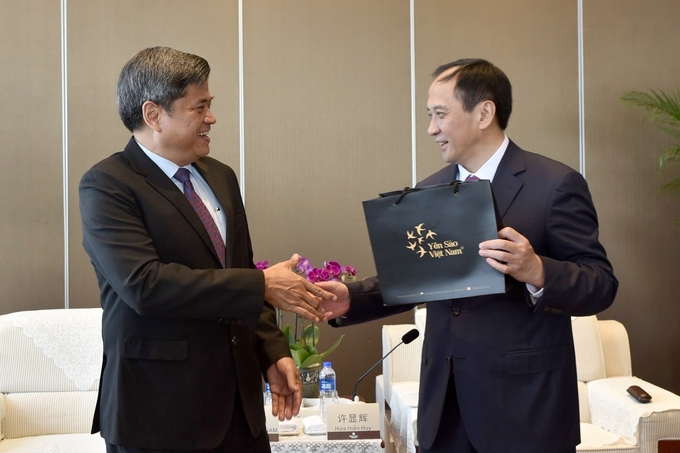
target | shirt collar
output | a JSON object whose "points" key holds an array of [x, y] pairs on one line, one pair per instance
{"points": [[167, 166], [488, 170]]}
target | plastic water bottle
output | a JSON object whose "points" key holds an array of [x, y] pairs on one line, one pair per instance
{"points": [[327, 388], [267, 395]]}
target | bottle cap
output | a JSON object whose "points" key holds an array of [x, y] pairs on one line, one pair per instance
{"points": [[327, 364]]}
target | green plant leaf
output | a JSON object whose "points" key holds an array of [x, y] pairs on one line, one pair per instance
{"points": [[672, 155], [310, 335], [660, 108], [310, 361], [673, 185], [332, 348], [299, 356], [288, 335], [304, 349], [663, 110]]}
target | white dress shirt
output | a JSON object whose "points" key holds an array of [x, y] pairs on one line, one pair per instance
{"points": [[201, 188], [488, 171]]}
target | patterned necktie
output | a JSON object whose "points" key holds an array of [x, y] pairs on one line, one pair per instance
{"points": [[471, 178], [182, 176]]}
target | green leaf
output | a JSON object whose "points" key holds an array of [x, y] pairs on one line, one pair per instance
{"points": [[673, 185], [660, 108], [311, 360], [332, 348], [663, 110], [304, 349], [672, 155], [310, 335], [299, 356], [288, 335]]}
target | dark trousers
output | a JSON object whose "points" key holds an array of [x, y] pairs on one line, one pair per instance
{"points": [[237, 440], [451, 435]]}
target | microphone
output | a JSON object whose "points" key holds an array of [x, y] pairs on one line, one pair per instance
{"points": [[405, 339]]}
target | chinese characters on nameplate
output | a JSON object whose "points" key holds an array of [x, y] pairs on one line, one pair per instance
{"points": [[353, 421]]}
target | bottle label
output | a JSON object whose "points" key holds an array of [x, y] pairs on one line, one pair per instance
{"points": [[327, 385]]}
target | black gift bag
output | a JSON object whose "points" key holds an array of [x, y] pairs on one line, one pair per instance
{"points": [[426, 240]]}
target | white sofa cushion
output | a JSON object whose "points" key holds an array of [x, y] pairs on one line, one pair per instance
{"points": [[588, 346], [613, 409], [583, 405], [60, 443], [50, 350], [41, 413], [616, 348], [404, 363], [2, 416], [595, 439], [420, 319]]}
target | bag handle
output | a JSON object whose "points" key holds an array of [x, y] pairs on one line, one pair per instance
{"points": [[407, 190]]}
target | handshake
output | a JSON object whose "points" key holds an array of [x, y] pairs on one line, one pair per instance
{"points": [[321, 301]]}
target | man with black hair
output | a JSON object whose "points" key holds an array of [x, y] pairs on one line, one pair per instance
{"points": [[189, 327], [498, 372]]}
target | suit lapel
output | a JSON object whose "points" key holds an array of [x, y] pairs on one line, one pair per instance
{"points": [[140, 163], [506, 184], [447, 174]]}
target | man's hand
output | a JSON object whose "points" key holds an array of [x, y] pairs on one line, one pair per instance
{"points": [[512, 254], [288, 291], [286, 387], [340, 305]]}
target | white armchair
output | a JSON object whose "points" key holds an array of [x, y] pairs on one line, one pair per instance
{"points": [[402, 372], [611, 420], [50, 361]]}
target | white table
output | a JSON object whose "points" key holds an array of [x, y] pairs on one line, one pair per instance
{"points": [[305, 443]]}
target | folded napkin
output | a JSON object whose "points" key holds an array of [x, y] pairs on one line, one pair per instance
{"points": [[314, 424], [288, 426]]}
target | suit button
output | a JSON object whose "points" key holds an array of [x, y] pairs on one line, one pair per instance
{"points": [[455, 311], [239, 322], [234, 340], [448, 360]]}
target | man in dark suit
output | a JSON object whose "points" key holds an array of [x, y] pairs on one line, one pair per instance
{"points": [[188, 324], [498, 373]]}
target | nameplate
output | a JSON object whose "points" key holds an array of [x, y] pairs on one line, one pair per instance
{"points": [[272, 422], [353, 421]]}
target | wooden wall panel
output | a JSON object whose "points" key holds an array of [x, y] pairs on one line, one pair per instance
{"points": [[32, 220], [631, 45], [103, 36], [327, 126], [534, 43]]}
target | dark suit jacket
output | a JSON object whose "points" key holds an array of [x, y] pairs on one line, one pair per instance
{"points": [[181, 334], [513, 362]]}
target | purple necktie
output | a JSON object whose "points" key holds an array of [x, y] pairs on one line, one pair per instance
{"points": [[182, 176], [471, 178]]}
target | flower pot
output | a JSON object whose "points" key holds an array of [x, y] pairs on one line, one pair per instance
{"points": [[310, 381]]}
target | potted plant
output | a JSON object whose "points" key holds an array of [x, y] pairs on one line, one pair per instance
{"points": [[307, 357], [303, 339], [663, 110]]}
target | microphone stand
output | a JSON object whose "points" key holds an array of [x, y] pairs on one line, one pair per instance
{"points": [[355, 398]]}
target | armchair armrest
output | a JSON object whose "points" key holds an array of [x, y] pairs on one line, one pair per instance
{"points": [[612, 408], [2, 416]]}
